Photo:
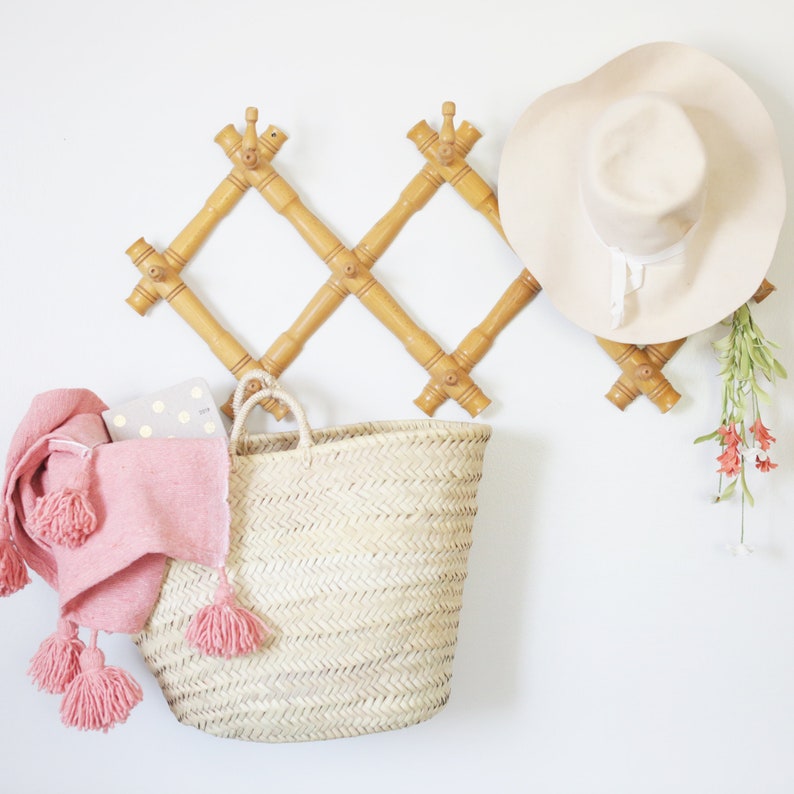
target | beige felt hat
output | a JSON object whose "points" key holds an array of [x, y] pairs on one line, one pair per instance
{"points": [[647, 199]]}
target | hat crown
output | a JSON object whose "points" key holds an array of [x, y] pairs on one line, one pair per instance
{"points": [[644, 174]]}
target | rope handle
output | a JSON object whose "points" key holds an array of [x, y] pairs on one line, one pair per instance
{"points": [[270, 388], [266, 380]]}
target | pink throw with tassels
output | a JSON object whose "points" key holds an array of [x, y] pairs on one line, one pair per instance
{"points": [[152, 498]]}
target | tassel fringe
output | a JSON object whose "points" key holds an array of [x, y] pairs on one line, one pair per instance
{"points": [[99, 697], [13, 571], [65, 517], [225, 628], [57, 661]]}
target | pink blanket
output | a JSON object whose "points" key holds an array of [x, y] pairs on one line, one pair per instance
{"points": [[153, 498]]}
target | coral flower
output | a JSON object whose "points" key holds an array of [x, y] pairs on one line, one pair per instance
{"points": [[730, 435], [730, 461], [762, 435], [764, 464]]}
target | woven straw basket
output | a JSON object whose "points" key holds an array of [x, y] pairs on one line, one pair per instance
{"points": [[351, 543]]}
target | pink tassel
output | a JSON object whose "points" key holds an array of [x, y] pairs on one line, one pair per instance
{"points": [[13, 571], [99, 697], [57, 662], [224, 628], [64, 517]]}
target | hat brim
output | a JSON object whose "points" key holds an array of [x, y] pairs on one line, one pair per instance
{"points": [[729, 250]]}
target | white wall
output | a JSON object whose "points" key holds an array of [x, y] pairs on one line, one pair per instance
{"points": [[609, 642]]}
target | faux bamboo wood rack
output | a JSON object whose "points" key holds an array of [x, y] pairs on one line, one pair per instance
{"points": [[445, 153]]}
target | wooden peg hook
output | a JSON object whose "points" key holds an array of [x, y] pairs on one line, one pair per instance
{"points": [[446, 149], [249, 155]]}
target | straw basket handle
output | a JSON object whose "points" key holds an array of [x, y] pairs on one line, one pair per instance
{"points": [[243, 405]]}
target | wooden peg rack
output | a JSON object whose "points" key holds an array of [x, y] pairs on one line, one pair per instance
{"points": [[445, 153]]}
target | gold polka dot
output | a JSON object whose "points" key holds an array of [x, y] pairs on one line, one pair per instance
{"points": [[145, 431], [119, 420], [158, 406], [209, 428], [196, 392], [184, 417]]}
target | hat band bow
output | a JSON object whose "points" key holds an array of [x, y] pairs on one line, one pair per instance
{"points": [[628, 274]]}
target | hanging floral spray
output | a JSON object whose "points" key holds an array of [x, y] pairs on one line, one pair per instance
{"points": [[745, 357]]}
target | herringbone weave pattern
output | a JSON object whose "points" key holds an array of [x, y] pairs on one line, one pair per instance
{"points": [[354, 551]]}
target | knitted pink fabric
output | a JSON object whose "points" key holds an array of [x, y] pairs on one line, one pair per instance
{"points": [[153, 498]]}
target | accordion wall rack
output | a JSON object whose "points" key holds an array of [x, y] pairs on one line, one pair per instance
{"points": [[445, 152]]}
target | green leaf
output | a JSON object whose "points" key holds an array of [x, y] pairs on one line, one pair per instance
{"points": [[760, 357], [779, 369], [723, 345], [744, 362], [761, 394], [708, 437], [727, 492]]}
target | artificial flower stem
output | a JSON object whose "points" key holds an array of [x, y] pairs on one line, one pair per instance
{"points": [[741, 530]]}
